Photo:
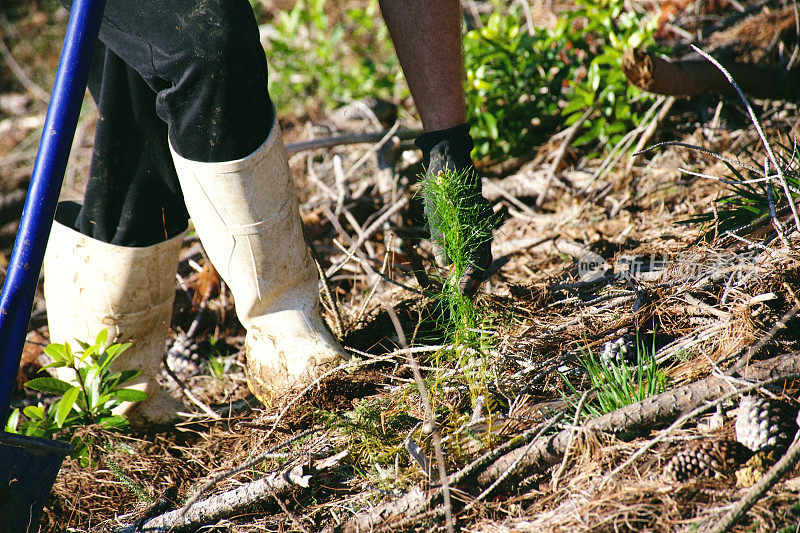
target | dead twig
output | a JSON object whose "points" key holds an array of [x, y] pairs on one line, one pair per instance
{"points": [[372, 228], [244, 466], [431, 421], [757, 491], [569, 135], [23, 78], [350, 138]]}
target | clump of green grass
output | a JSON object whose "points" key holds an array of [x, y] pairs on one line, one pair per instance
{"points": [[618, 384]]}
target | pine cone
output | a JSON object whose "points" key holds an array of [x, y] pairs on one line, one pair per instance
{"points": [[620, 351], [707, 459], [183, 355], [765, 425]]}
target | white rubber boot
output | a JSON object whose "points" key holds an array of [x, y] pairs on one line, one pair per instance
{"points": [[246, 215], [90, 285]]}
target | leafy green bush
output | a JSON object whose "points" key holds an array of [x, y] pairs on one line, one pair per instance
{"points": [[312, 58], [85, 400], [514, 77]]}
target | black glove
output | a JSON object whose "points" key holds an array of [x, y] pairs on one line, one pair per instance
{"points": [[449, 150]]}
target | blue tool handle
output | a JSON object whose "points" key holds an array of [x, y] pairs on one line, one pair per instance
{"points": [[19, 288]]}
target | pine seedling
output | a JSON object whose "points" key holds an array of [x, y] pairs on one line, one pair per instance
{"points": [[454, 213]]}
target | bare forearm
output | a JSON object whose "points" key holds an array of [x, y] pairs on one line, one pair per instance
{"points": [[427, 38]]}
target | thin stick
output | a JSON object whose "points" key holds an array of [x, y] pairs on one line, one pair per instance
{"points": [[569, 135], [437, 440], [188, 393], [372, 149], [757, 491], [511, 467], [23, 78], [286, 510], [350, 138], [757, 125], [326, 287], [568, 449], [372, 228], [651, 129]]}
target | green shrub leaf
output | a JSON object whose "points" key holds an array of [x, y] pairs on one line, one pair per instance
{"points": [[49, 385], [130, 395], [65, 405]]}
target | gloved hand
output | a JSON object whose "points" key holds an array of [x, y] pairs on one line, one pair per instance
{"points": [[449, 150]]}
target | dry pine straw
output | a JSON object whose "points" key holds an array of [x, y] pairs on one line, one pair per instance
{"points": [[638, 500], [632, 501], [537, 326]]}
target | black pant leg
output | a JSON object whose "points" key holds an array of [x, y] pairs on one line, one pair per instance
{"points": [[132, 197], [205, 61], [198, 66]]}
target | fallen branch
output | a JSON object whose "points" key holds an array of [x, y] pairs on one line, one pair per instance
{"points": [[757, 491], [351, 138], [691, 77], [640, 416], [234, 501]]}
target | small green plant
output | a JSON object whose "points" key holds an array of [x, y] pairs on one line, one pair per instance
{"points": [[312, 57], [87, 399], [217, 363], [454, 212], [464, 227], [553, 76], [617, 384]]}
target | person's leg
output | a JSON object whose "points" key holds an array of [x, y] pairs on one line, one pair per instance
{"points": [[132, 196], [162, 65], [205, 62], [206, 66], [427, 38]]}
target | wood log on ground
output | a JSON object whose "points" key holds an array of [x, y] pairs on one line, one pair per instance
{"points": [[641, 416], [232, 502], [545, 452], [691, 77]]}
